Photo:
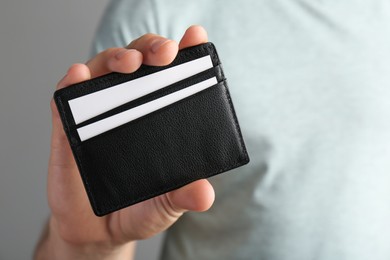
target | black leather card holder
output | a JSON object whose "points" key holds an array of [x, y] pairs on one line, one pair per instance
{"points": [[130, 149]]}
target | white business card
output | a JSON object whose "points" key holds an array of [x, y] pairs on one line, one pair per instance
{"points": [[94, 104], [119, 119]]}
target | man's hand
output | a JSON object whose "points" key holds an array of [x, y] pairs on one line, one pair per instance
{"points": [[73, 230]]}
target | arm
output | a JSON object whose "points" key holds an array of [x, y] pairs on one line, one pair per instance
{"points": [[53, 246], [73, 231]]}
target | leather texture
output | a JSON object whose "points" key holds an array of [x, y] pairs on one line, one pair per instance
{"points": [[192, 139]]}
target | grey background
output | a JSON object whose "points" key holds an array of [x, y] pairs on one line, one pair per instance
{"points": [[39, 40]]}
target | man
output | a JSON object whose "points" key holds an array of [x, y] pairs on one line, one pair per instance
{"points": [[309, 80]]}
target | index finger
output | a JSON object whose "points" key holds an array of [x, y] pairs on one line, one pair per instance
{"points": [[150, 49]]}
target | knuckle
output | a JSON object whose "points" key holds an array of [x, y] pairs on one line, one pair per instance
{"points": [[144, 39], [109, 51], [168, 210]]}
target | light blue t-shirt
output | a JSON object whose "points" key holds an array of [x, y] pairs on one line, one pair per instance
{"points": [[310, 81]]}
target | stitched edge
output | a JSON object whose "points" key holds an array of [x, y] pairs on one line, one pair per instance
{"points": [[238, 129], [62, 112], [84, 176]]}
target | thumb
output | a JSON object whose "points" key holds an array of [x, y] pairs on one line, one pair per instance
{"points": [[197, 196], [148, 218]]}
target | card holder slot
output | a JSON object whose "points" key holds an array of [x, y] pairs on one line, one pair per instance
{"points": [[170, 146], [79, 142], [114, 78], [207, 74]]}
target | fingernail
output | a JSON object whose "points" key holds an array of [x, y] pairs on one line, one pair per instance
{"points": [[158, 43]]}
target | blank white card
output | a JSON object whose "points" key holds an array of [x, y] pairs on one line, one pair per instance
{"points": [[94, 104], [129, 115]]}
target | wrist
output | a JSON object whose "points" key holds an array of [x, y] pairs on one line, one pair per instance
{"points": [[56, 247]]}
